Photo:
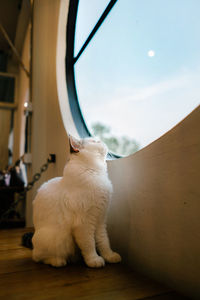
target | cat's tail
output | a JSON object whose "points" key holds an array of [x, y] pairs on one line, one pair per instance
{"points": [[27, 240]]}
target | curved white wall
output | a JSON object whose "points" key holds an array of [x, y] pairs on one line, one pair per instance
{"points": [[155, 213], [155, 216]]}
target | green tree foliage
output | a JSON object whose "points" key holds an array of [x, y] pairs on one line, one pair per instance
{"points": [[118, 145]]}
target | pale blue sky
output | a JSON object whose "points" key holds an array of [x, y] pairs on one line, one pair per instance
{"points": [[119, 84]]}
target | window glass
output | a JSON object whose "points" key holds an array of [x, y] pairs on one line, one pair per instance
{"points": [[139, 76], [88, 14]]}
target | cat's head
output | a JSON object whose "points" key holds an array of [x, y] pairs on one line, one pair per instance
{"points": [[88, 147]]}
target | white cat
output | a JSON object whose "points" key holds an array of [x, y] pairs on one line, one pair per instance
{"points": [[71, 210]]}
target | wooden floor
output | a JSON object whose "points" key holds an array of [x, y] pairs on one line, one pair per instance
{"points": [[21, 278]]}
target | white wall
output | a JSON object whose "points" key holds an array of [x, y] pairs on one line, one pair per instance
{"points": [[155, 214], [154, 217]]}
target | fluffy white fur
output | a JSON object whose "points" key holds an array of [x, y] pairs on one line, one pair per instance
{"points": [[71, 210]]}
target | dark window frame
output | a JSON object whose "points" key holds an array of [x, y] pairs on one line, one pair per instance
{"points": [[70, 76], [70, 61]]}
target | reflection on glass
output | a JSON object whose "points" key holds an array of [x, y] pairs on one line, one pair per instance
{"points": [[139, 76]]}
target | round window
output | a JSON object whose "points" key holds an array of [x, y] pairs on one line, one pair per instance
{"points": [[132, 68]]}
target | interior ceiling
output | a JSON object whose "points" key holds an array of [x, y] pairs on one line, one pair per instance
{"points": [[9, 11]]}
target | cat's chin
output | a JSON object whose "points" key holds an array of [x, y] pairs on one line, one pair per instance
{"points": [[103, 155], [103, 151]]}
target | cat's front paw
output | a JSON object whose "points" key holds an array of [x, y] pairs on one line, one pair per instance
{"points": [[95, 262], [113, 257]]}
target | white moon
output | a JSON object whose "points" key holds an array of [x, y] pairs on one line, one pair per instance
{"points": [[151, 53]]}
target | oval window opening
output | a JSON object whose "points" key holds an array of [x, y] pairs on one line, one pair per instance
{"points": [[138, 76]]}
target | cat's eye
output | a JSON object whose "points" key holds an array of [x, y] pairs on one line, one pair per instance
{"points": [[132, 68]]}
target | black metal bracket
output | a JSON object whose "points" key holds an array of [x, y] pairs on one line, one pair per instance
{"points": [[52, 158]]}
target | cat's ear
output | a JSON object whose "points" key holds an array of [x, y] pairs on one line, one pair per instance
{"points": [[75, 144]]}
